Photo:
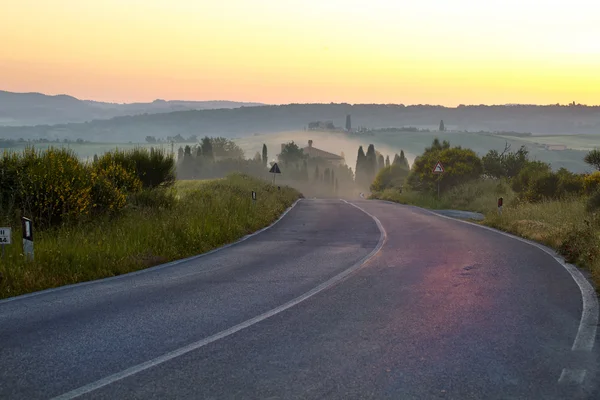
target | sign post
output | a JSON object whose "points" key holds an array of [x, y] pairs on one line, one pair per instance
{"points": [[275, 170], [253, 197], [5, 238], [439, 170], [500, 203], [27, 226]]}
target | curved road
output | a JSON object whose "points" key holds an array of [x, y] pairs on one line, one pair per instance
{"points": [[337, 300]]}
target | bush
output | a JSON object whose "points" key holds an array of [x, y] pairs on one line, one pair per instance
{"points": [[54, 186], [390, 177], [460, 166], [593, 203], [154, 167], [582, 243], [531, 171], [591, 182]]}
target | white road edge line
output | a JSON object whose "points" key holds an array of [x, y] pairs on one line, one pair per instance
{"points": [[196, 345], [586, 334], [151, 269], [572, 376]]}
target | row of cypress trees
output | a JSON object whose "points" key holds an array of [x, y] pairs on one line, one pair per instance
{"points": [[369, 164]]}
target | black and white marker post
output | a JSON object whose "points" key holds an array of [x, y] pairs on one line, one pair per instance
{"points": [[5, 238], [500, 203], [27, 226], [253, 197]]}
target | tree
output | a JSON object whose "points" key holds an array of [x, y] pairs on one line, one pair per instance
{"points": [[265, 157], [371, 164], [391, 177], [387, 161], [317, 174], [304, 171], [257, 157], [207, 149], [225, 148], [401, 160], [506, 164], [348, 123], [593, 158], [442, 127], [198, 151], [380, 162], [460, 166], [95, 158], [360, 167], [291, 153], [187, 152], [150, 139], [180, 153]]}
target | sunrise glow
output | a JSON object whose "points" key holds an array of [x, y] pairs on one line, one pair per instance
{"points": [[282, 51]]}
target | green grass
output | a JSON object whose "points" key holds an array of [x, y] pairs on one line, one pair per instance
{"points": [[207, 215]]}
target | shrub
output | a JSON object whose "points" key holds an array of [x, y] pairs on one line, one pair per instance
{"points": [[460, 166], [569, 183], [542, 187], [53, 186], [106, 196], [154, 167], [528, 173], [591, 182], [582, 244], [390, 177], [593, 203]]}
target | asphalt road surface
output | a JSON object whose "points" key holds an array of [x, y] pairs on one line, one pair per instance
{"points": [[331, 302]]}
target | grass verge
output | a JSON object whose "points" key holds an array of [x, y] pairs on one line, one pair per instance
{"points": [[205, 215], [564, 225]]}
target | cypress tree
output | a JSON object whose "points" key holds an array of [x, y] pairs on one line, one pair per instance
{"points": [[371, 164], [207, 149], [380, 162], [360, 166], [265, 156], [442, 127], [396, 159], [348, 123], [387, 160], [403, 160]]}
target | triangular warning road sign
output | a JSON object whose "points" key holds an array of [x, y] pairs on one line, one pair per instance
{"points": [[275, 169], [439, 168]]}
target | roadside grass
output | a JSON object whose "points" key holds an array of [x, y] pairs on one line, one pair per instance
{"points": [[564, 225], [206, 215]]}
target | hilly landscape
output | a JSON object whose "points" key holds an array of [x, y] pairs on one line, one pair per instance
{"points": [[36, 108], [243, 121]]}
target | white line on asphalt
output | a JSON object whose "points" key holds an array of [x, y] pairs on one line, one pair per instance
{"points": [[572, 376], [151, 269], [196, 345], [586, 334]]}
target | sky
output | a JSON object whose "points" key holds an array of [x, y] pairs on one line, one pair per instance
{"points": [[446, 52]]}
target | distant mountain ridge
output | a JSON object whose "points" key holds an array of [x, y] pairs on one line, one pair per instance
{"points": [[36, 108], [246, 121]]}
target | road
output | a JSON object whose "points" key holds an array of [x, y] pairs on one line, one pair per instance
{"points": [[338, 300]]}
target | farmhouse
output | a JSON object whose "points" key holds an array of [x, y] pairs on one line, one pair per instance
{"points": [[556, 147], [313, 152]]}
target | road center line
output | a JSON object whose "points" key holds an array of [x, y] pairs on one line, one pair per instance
{"points": [[196, 345]]}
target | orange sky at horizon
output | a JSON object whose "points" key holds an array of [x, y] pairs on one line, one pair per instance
{"points": [[288, 51]]}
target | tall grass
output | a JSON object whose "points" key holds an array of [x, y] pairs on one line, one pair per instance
{"points": [[202, 218]]}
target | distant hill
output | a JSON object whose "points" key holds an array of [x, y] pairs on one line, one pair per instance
{"points": [[36, 108], [246, 121]]}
